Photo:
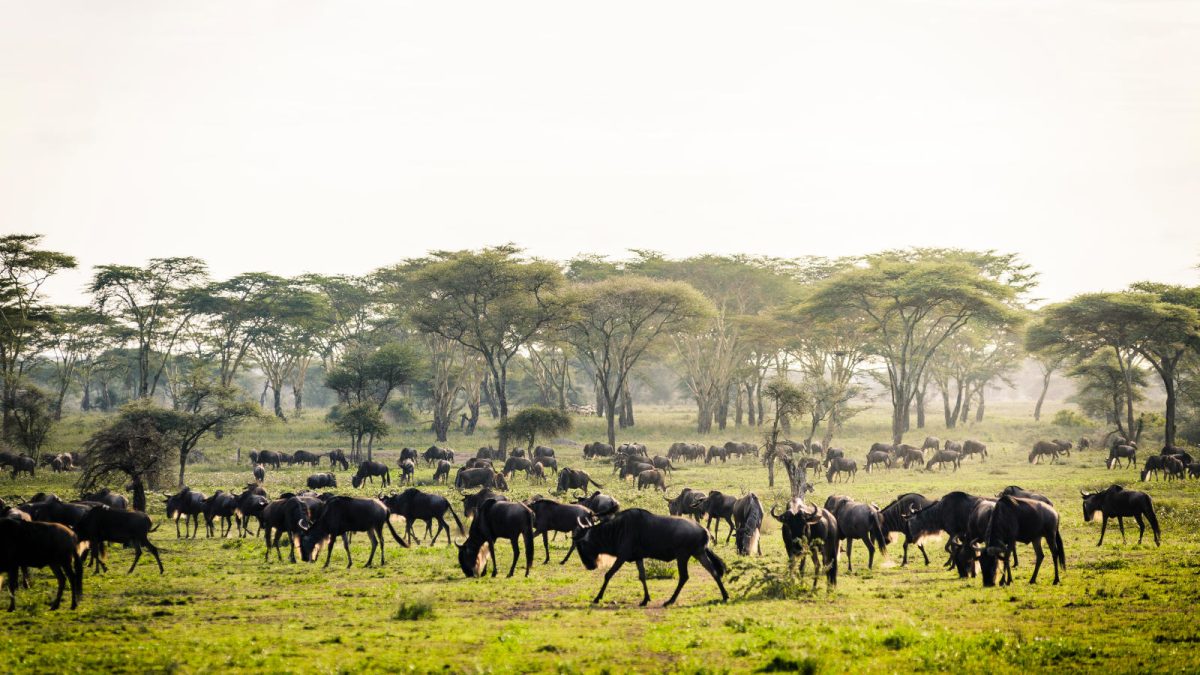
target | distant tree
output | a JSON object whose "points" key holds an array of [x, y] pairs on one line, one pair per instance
{"points": [[74, 337], [155, 302], [367, 377], [535, 422], [359, 420], [788, 400], [24, 268], [203, 410], [233, 314], [131, 447], [1102, 388], [1049, 361], [32, 419], [288, 337]]}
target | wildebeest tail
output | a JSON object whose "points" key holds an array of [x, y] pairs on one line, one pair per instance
{"points": [[397, 537], [457, 522], [154, 529], [718, 564], [877, 533], [593, 482], [1062, 554], [1152, 518]]}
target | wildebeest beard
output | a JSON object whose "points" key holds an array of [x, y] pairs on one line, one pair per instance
{"points": [[473, 561]]}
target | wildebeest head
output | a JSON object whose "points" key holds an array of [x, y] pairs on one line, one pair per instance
{"points": [[499, 482], [357, 480], [586, 544]]}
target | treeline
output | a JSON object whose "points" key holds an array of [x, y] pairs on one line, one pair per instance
{"points": [[442, 337]]}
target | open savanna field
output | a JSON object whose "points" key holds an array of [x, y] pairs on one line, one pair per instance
{"points": [[1121, 607]]}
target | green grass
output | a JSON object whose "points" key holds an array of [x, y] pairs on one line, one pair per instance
{"points": [[1121, 607]]}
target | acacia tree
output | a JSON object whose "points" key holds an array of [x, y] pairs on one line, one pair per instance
{"points": [[74, 337], [1102, 388], [617, 319], [1049, 361], [131, 448], [232, 315], [490, 301], [24, 268], [364, 380], [533, 422], [909, 309], [788, 400], [293, 319], [155, 302]]}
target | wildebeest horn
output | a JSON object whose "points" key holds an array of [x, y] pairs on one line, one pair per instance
{"points": [[583, 525], [773, 514], [304, 524]]}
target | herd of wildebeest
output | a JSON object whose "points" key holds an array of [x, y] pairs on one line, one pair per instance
{"points": [[982, 532]]}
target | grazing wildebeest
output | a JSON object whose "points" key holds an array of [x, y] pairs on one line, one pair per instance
{"points": [[407, 453], [688, 502], [471, 502], [37, 544], [718, 506], [488, 452], [1119, 452], [188, 505], [637, 534], [601, 504], [319, 481], [907, 455], [651, 478], [747, 523], [482, 477], [858, 521], [574, 479], [740, 449], [221, 505], [944, 457], [1026, 521], [963, 548], [950, 514], [433, 453], [841, 465], [338, 457], [550, 463], [1194, 469], [306, 457], [597, 449], [342, 516], [832, 454], [884, 447], [953, 445], [1178, 453], [631, 468], [414, 505], [1154, 464], [537, 473], [974, 448], [107, 497], [551, 516], [286, 457], [1117, 502], [513, 464], [267, 457], [1174, 467], [814, 532], [1044, 449], [632, 450], [104, 525], [878, 457], [260, 473], [931, 442], [497, 520], [367, 471], [894, 521], [1063, 446], [1018, 491], [442, 473], [407, 469], [23, 464]]}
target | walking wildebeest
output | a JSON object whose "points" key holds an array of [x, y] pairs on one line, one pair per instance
{"points": [[513, 464], [542, 451], [950, 514], [407, 469], [597, 449], [1154, 464], [292, 515], [1117, 502], [714, 452], [221, 505], [1119, 452], [963, 548], [250, 504], [550, 463], [306, 457], [931, 442], [342, 516], [104, 525], [260, 473], [188, 505], [414, 505], [747, 523], [23, 464], [637, 534], [338, 457], [974, 448], [944, 457], [367, 471], [878, 457], [858, 521], [816, 533], [471, 503], [537, 473], [551, 516], [841, 465], [574, 479], [662, 463], [1026, 521], [832, 454], [433, 453], [267, 457], [651, 478], [601, 504], [1063, 446], [481, 477], [1044, 449], [36, 544], [894, 521], [688, 502], [442, 473], [720, 507], [496, 520]]}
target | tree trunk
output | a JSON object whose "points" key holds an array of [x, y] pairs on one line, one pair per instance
{"points": [[737, 407], [946, 408], [182, 467], [85, 403], [1037, 409], [298, 398], [277, 398], [1169, 413], [723, 410], [474, 419], [979, 410], [898, 414], [921, 411], [139, 494], [751, 417]]}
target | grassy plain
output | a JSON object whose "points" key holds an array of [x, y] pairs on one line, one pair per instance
{"points": [[1120, 608]]}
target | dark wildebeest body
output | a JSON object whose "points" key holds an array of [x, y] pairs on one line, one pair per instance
{"points": [[944, 457], [651, 478], [858, 521], [478, 463], [574, 479], [481, 477], [931, 443], [894, 521], [433, 454], [1119, 452], [542, 451], [962, 548], [600, 504], [841, 465], [513, 464], [292, 515], [260, 473], [637, 534], [537, 473], [104, 525], [953, 445], [815, 533], [488, 452], [832, 454], [415, 505], [221, 505], [250, 504], [23, 464], [688, 502], [907, 455], [306, 457], [442, 473], [1018, 491], [51, 509], [1154, 464], [268, 457], [1063, 446], [550, 463], [714, 452], [319, 481], [497, 520], [338, 458], [471, 503], [878, 457], [368, 470], [1044, 449], [974, 448], [36, 544], [662, 463], [1117, 502], [407, 470], [551, 516], [747, 523], [594, 450], [409, 454], [188, 505], [950, 514], [107, 497], [718, 506], [1026, 521], [341, 517]]}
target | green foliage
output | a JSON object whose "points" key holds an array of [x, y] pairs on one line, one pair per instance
{"points": [[32, 419], [414, 610], [1070, 418], [535, 422]]}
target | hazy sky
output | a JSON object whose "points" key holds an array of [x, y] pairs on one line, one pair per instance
{"points": [[330, 136]]}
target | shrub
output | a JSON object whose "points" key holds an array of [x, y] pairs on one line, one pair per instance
{"points": [[415, 610], [1069, 418]]}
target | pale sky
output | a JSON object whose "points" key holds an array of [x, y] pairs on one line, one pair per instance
{"points": [[307, 135]]}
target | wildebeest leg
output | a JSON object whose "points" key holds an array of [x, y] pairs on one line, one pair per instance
{"points": [[13, 574], [729, 534], [545, 543], [516, 547], [641, 565], [683, 576], [1103, 527], [849, 564], [1037, 564], [569, 552], [492, 553], [408, 532], [177, 535], [154, 551], [1121, 523], [62, 583], [137, 554], [923, 553], [1141, 527], [371, 558], [607, 576], [816, 565], [195, 524], [870, 551], [708, 526]]}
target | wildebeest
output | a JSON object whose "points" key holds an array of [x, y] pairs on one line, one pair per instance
{"points": [[1063, 446], [250, 504], [878, 457], [1044, 449], [306, 457], [714, 452], [974, 448], [260, 473], [291, 515], [221, 505], [1117, 502], [433, 454], [1119, 452], [342, 516], [631, 468], [1154, 464], [409, 454], [1084, 443], [36, 544], [931, 442], [601, 504], [542, 451], [574, 479], [688, 502], [414, 505], [496, 520], [841, 465], [551, 516], [267, 457], [950, 514], [662, 463], [471, 503], [1026, 521], [1194, 469], [858, 521], [367, 471], [319, 481], [550, 463], [637, 534], [104, 525], [597, 449], [651, 478], [747, 523], [513, 464], [942, 458], [718, 506], [632, 450], [686, 451], [107, 497], [953, 445], [1018, 491], [188, 505], [740, 449], [894, 521], [488, 452], [907, 455], [407, 469], [441, 474], [478, 463], [23, 464], [537, 473], [963, 548], [481, 477], [337, 457], [832, 454], [814, 532]]}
